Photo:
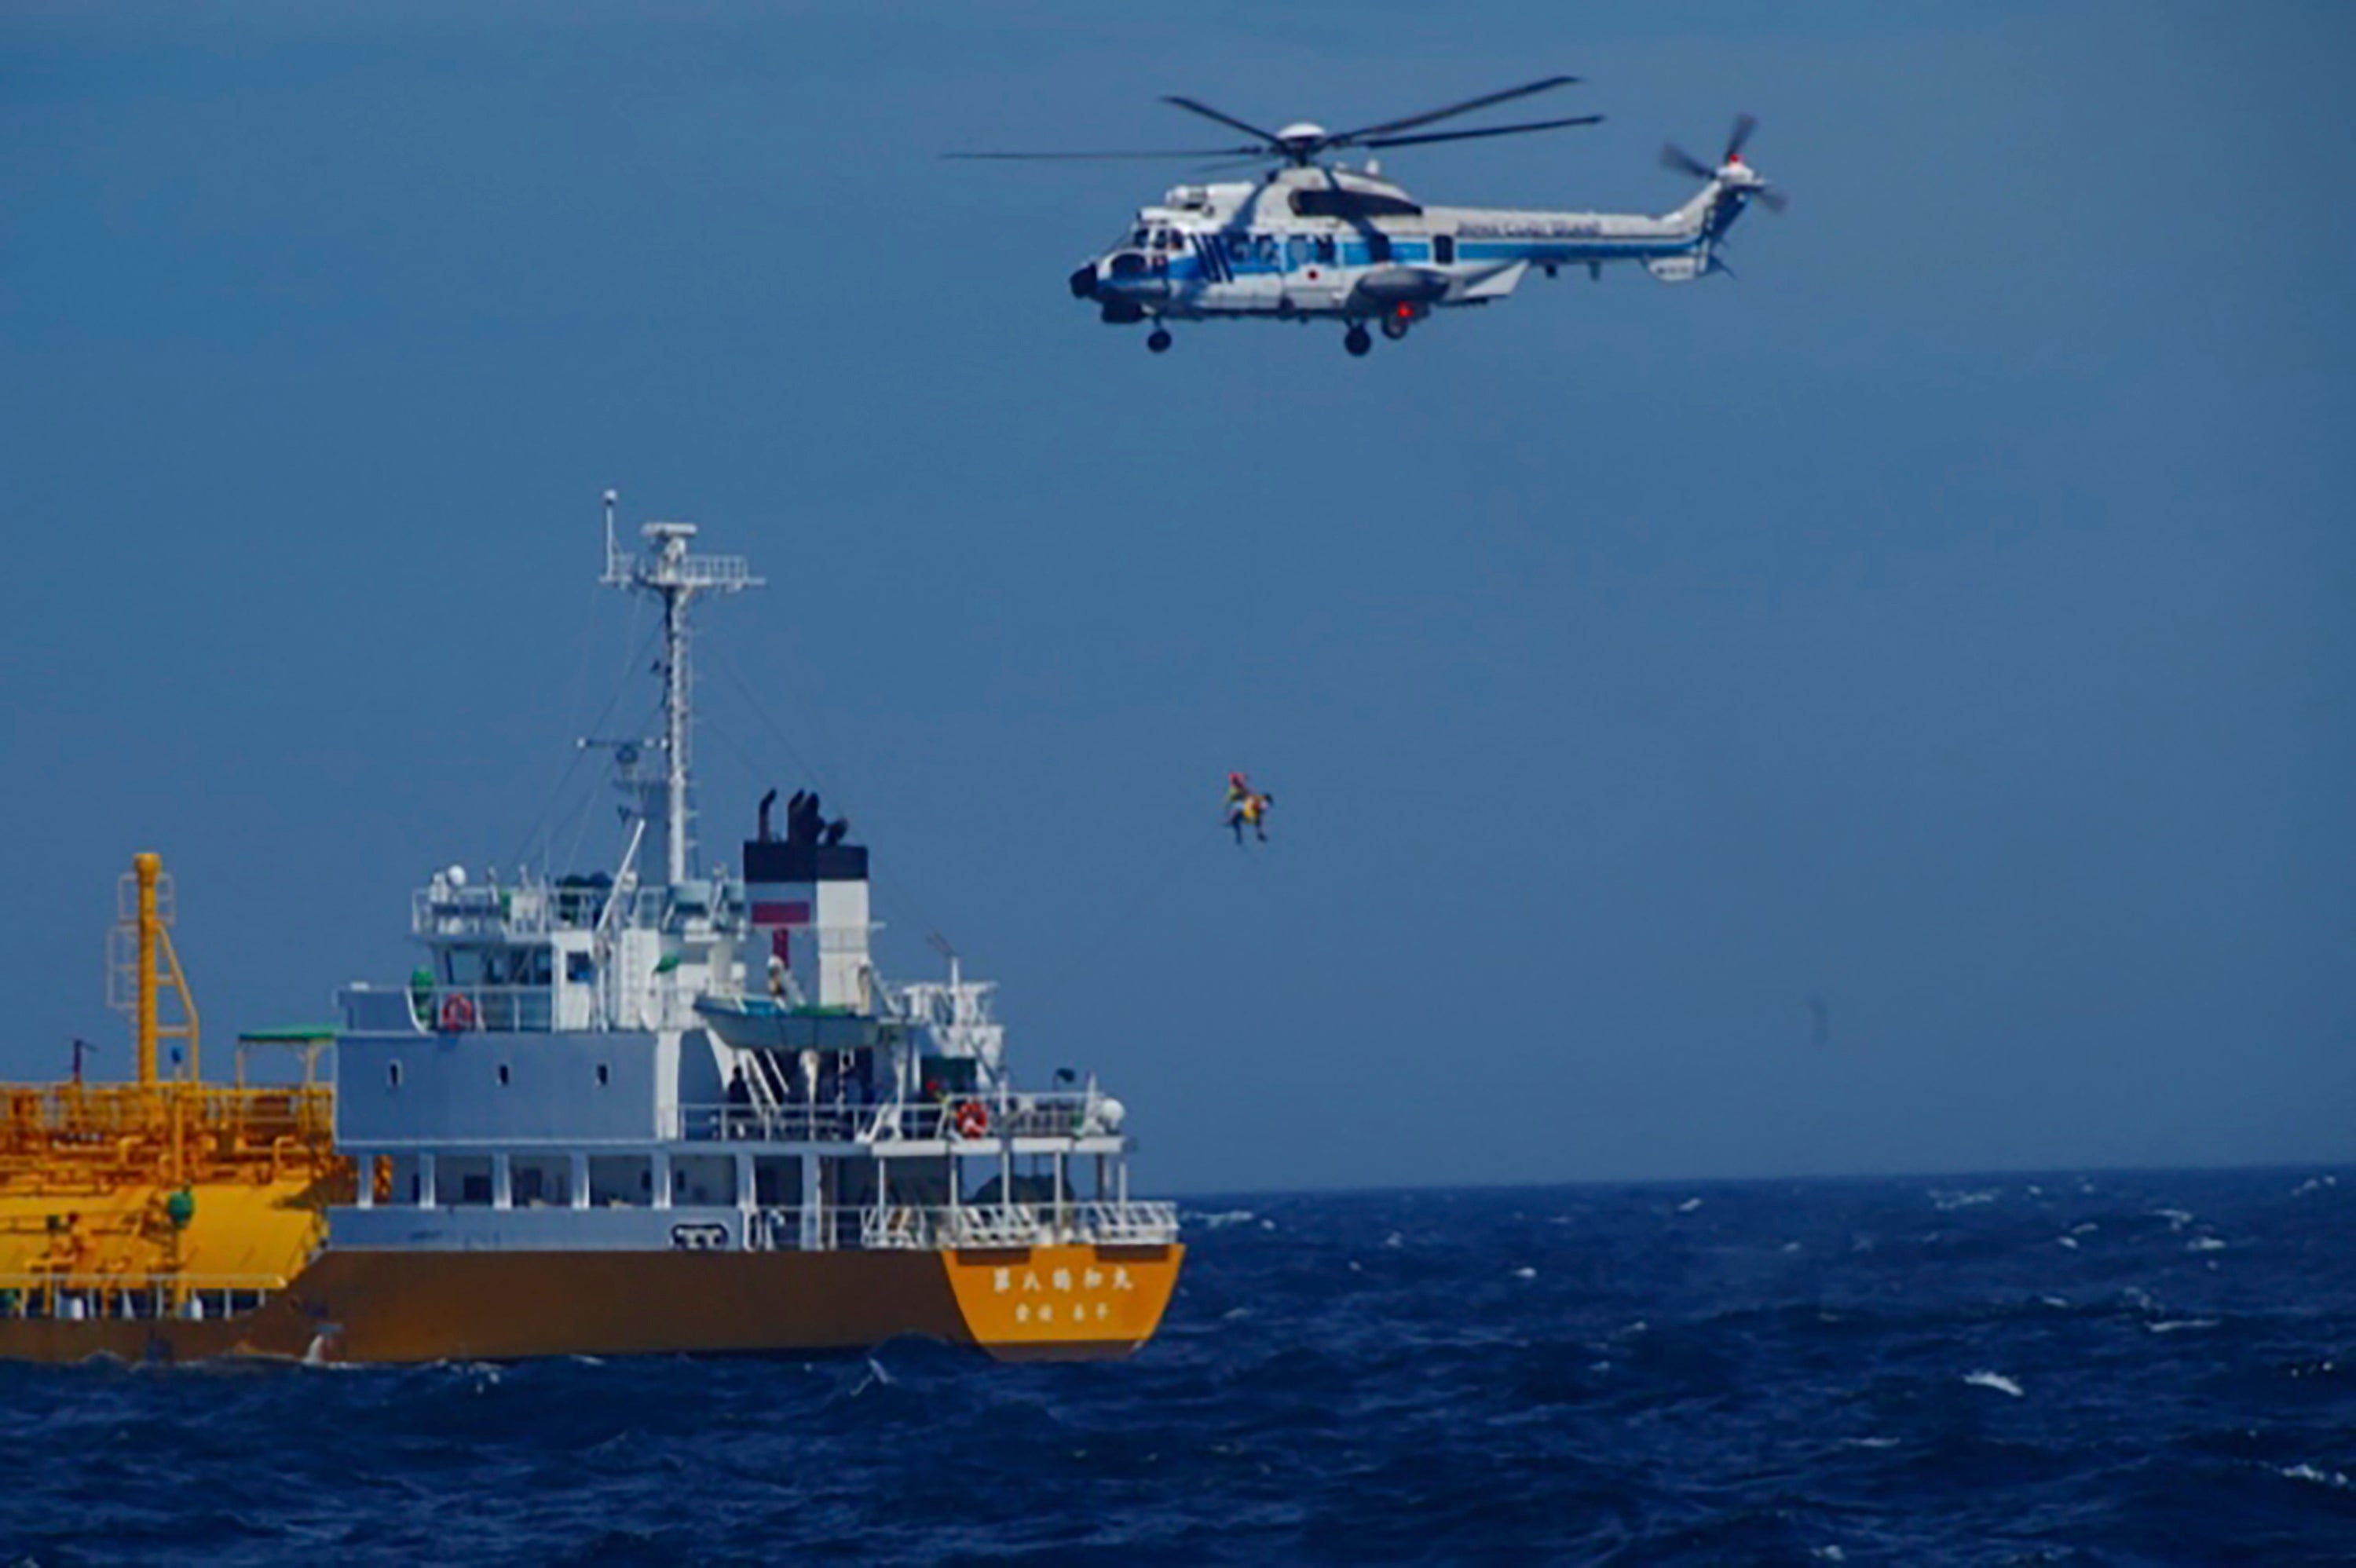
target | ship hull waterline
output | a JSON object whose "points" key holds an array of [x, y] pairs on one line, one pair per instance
{"points": [[370, 1305]]}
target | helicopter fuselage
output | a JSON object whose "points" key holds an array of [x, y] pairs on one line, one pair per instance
{"points": [[1309, 243]]}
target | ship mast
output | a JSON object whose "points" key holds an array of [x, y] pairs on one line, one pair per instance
{"points": [[669, 572]]}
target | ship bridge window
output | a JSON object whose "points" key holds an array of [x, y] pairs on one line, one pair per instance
{"points": [[579, 968], [621, 1182], [539, 1180], [463, 1180], [497, 966], [392, 1074], [503, 1075], [703, 1180]]}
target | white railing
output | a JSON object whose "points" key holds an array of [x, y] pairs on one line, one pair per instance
{"points": [[75, 1297], [448, 1009], [782, 1123], [956, 1121], [1100, 1221], [533, 909]]}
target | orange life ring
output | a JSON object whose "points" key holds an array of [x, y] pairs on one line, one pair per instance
{"points": [[972, 1119], [457, 1013]]}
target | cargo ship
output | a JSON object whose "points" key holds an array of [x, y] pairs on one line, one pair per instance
{"points": [[652, 1108]]}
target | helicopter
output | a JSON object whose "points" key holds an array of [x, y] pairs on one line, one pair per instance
{"points": [[1312, 239]]}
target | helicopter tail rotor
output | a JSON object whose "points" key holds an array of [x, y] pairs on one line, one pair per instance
{"points": [[1731, 171]]}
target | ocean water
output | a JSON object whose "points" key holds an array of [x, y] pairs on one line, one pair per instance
{"points": [[2096, 1369]]}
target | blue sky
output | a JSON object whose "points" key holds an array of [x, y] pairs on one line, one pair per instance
{"points": [[1950, 617]]}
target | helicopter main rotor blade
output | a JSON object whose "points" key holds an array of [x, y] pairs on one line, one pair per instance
{"points": [[1207, 113], [1743, 125], [1069, 157], [1466, 135], [1469, 104], [1675, 157], [1771, 198]]}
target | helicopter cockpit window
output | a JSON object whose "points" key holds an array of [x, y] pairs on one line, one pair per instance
{"points": [[1138, 237], [1344, 203], [1324, 243]]}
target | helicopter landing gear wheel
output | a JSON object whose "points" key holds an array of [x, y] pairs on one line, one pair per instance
{"points": [[1394, 326], [1158, 341], [1356, 341]]}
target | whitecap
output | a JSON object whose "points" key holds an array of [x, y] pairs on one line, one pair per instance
{"points": [[1946, 1202], [2069, 1241], [2204, 1244], [1354, 1268], [1995, 1381], [1689, 1205], [1790, 1247], [2177, 1218], [2084, 1228], [2055, 1301], [1526, 1271], [1224, 1218], [1829, 1555], [1234, 1314], [2320, 1478], [1268, 1224], [1869, 1442], [2172, 1325], [1394, 1240]]}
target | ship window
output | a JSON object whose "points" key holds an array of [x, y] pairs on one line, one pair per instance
{"points": [[605, 1075], [392, 1074], [463, 1180], [777, 1182], [619, 1180], [703, 1180], [540, 1181], [503, 1074], [579, 968]]}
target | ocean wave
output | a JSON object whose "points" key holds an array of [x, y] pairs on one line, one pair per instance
{"points": [[1686, 1392], [1995, 1381]]}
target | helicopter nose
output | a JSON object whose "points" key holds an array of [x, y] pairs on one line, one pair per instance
{"points": [[1084, 282]]}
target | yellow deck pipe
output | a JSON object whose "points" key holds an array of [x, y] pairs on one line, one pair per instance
{"points": [[147, 866]]}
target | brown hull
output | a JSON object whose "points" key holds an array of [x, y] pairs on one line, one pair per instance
{"points": [[1049, 1303]]}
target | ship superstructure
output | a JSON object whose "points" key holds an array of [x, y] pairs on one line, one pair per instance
{"points": [[656, 1106]]}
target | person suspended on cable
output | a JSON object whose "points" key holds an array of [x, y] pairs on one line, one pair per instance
{"points": [[1247, 807]]}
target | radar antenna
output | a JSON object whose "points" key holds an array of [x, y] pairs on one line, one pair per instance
{"points": [[667, 572]]}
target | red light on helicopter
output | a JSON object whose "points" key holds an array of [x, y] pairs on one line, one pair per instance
{"points": [[1403, 310]]}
